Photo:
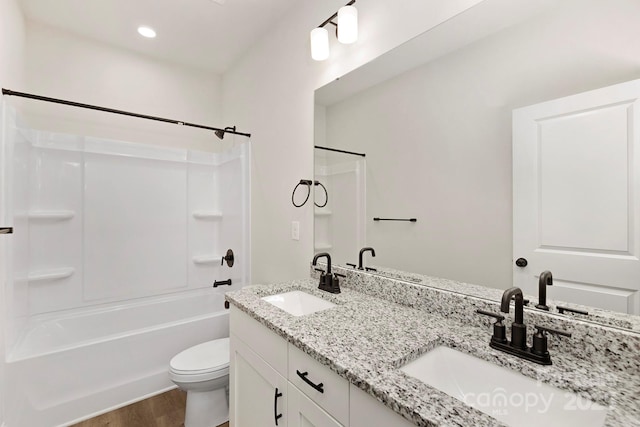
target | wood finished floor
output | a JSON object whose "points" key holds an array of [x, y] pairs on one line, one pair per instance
{"points": [[163, 410]]}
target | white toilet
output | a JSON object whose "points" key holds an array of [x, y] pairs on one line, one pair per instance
{"points": [[203, 372]]}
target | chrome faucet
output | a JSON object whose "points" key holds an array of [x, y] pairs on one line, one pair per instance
{"points": [[546, 279], [362, 251]]}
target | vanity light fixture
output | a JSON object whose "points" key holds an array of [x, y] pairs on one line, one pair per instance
{"points": [[319, 44], [347, 24], [346, 31], [147, 32]]}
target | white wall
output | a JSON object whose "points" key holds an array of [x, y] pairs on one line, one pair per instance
{"points": [[438, 138], [62, 65], [11, 44], [11, 60], [269, 91]]}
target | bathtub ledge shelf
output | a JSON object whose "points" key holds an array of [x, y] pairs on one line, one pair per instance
{"points": [[53, 274], [207, 215], [207, 259], [51, 215]]}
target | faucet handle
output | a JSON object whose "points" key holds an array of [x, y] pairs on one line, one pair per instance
{"points": [[351, 265], [499, 330], [561, 310], [539, 347], [499, 318], [340, 275], [543, 329], [524, 301]]}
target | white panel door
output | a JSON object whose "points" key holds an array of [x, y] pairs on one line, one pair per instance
{"points": [[576, 197]]}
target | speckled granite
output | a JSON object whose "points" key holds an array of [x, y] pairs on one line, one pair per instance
{"points": [[596, 315], [365, 339]]}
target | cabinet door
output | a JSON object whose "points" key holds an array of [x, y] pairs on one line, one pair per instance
{"points": [[258, 394], [302, 412]]}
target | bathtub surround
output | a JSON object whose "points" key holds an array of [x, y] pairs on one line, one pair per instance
{"points": [[78, 201], [365, 339], [115, 249]]}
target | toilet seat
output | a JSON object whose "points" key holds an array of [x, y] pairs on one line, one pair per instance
{"points": [[203, 362]]}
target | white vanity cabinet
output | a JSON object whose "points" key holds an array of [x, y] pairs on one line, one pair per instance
{"points": [[366, 411], [302, 412], [320, 384], [274, 384], [257, 374], [258, 393]]}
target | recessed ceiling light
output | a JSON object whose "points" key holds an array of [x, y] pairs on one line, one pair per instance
{"points": [[147, 32]]}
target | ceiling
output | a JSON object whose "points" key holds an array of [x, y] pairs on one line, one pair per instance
{"points": [[208, 34]]}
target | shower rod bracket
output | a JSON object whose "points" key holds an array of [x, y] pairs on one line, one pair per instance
{"points": [[9, 92]]}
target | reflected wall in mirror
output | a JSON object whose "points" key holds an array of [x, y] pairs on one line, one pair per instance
{"points": [[339, 215], [434, 117]]}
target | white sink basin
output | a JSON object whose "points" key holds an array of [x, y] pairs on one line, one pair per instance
{"points": [[299, 303], [508, 396]]}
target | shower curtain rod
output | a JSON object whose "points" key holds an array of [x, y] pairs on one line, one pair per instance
{"points": [[111, 110], [339, 151]]}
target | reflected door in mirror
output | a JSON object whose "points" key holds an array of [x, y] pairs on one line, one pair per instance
{"points": [[576, 164]]}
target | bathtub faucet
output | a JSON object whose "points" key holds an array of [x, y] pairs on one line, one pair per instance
{"points": [[222, 282]]}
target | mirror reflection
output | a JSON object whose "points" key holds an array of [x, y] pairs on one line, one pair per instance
{"points": [[434, 119]]}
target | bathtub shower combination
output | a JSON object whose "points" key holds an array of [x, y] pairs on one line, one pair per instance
{"points": [[109, 271]]}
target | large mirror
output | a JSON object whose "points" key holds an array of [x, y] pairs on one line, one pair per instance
{"points": [[433, 118]]}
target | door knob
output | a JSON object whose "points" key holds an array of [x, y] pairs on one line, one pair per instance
{"points": [[229, 258], [521, 262]]}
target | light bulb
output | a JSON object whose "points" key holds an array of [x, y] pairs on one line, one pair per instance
{"points": [[347, 24], [319, 44], [147, 32]]}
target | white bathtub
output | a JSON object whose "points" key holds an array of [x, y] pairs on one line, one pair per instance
{"points": [[68, 368]]}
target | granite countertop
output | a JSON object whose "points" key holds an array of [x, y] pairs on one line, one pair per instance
{"points": [[366, 339], [604, 317]]}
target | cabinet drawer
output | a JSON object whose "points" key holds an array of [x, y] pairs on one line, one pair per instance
{"points": [[266, 343], [326, 388]]}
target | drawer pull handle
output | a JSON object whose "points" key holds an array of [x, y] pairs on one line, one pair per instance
{"points": [[276, 416], [317, 387]]}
